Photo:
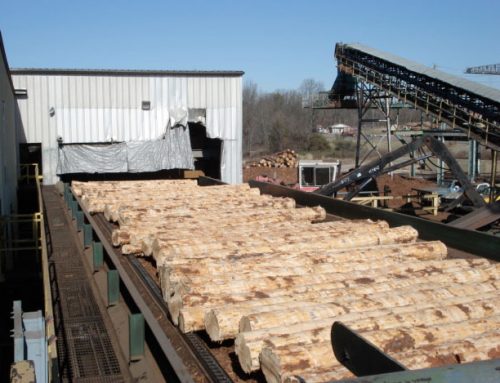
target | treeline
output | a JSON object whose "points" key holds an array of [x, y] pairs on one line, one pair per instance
{"points": [[276, 121], [273, 121]]}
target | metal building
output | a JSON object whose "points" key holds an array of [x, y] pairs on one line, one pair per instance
{"points": [[103, 106], [8, 145]]}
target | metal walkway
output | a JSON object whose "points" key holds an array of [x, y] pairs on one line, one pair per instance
{"points": [[85, 348]]}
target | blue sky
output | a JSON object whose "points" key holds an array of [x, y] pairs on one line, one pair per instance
{"points": [[277, 43]]}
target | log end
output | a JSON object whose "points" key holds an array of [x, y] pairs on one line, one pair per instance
{"points": [[174, 304], [107, 212], [132, 249], [248, 362], [147, 246], [289, 203], [191, 319], [270, 365], [400, 234], [212, 326], [320, 213]]}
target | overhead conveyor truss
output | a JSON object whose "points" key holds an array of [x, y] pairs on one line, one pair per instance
{"points": [[460, 103]]}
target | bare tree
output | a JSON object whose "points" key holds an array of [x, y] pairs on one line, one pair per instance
{"points": [[309, 88], [277, 120], [250, 115]]}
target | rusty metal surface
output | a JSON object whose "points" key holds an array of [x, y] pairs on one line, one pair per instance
{"points": [[86, 351], [478, 218]]}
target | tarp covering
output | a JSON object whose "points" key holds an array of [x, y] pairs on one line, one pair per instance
{"points": [[172, 151]]}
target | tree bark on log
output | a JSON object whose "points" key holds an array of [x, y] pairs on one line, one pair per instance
{"points": [[339, 272], [175, 278], [410, 295], [249, 344], [277, 362], [404, 292], [309, 333], [342, 260], [245, 301], [402, 234]]}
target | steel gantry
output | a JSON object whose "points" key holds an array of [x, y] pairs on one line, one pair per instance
{"points": [[460, 103]]}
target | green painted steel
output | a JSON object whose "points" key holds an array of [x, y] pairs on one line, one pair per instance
{"points": [[66, 193], [73, 204], [113, 287], [136, 336], [79, 219], [97, 255], [87, 235]]}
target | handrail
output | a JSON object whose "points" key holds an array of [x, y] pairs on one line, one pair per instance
{"points": [[25, 172], [48, 311]]}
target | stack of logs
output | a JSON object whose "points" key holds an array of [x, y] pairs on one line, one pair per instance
{"points": [[285, 159], [254, 268]]}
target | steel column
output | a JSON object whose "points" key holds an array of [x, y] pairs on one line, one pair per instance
{"points": [[136, 336], [493, 175], [113, 279], [79, 219], [472, 168], [87, 234], [97, 255], [17, 316]]}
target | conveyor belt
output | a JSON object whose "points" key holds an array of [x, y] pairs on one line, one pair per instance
{"points": [[187, 353], [86, 350]]}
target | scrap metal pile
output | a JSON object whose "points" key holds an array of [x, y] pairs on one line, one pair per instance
{"points": [[254, 268]]}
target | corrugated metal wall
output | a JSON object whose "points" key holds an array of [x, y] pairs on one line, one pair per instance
{"points": [[99, 108], [8, 146]]}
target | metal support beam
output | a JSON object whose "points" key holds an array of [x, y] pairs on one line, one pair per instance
{"points": [[74, 207], [17, 316], [67, 193], [97, 255], [473, 168], [79, 219], [87, 234], [493, 175], [466, 108], [369, 97], [136, 336], [440, 169], [113, 279]]}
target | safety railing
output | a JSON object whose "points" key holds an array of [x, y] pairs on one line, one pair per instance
{"points": [[29, 173], [48, 311], [26, 232]]}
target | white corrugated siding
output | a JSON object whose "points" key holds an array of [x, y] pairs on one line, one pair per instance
{"points": [[8, 146], [100, 108]]}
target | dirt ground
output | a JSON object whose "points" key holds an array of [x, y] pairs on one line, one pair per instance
{"points": [[288, 176]]}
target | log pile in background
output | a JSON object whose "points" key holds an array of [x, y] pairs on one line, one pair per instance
{"points": [[285, 159], [256, 269]]}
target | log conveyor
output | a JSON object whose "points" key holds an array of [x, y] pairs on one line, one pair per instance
{"points": [[271, 269]]}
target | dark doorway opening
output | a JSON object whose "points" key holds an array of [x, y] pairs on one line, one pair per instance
{"points": [[31, 153], [207, 151]]}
